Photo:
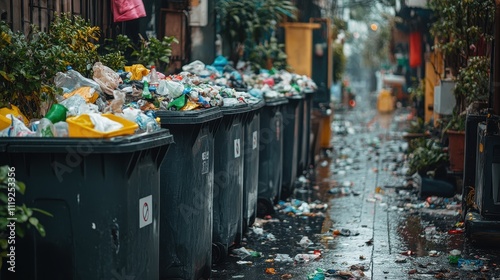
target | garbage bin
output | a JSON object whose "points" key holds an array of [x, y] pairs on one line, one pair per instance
{"points": [[305, 133], [291, 122], [104, 198], [251, 164], [228, 181], [270, 155], [186, 194]]}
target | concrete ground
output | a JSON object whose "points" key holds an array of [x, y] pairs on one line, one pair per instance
{"points": [[356, 216]]}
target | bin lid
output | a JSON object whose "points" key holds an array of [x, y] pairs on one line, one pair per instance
{"points": [[257, 105], [120, 144], [296, 97], [276, 101], [189, 117], [236, 109]]}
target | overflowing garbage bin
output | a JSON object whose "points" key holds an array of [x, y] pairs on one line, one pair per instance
{"points": [[270, 155], [291, 126], [103, 195], [251, 164], [228, 180], [186, 194]]}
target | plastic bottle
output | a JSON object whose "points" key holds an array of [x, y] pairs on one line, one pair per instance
{"points": [[146, 94], [153, 77], [72, 79]]}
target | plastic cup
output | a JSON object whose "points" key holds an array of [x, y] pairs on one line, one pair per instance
{"points": [[57, 113]]}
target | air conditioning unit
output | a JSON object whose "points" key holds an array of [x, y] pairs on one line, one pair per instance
{"points": [[444, 99]]}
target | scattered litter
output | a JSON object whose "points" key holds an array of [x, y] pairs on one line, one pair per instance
{"points": [[244, 262], [239, 276], [283, 258], [270, 270], [271, 237], [258, 231], [305, 257], [433, 253], [400, 260], [362, 257], [470, 265], [243, 253], [305, 242], [319, 274], [345, 232], [287, 276]]}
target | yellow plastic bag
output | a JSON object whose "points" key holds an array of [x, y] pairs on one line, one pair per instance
{"points": [[15, 112], [88, 93], [138, 71]]}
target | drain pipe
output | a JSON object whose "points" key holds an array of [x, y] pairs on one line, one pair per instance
{"points": [[496, 57]]}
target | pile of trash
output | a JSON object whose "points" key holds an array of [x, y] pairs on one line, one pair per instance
{"points": [[116, 103]]}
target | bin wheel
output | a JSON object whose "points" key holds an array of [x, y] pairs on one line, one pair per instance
{"points": [[219, 252], [264, 207]]}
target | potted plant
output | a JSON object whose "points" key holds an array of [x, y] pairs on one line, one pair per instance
{"points": [[427, 158], [268, 55]]}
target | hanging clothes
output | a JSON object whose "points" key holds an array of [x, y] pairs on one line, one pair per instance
{"points": [[124, 10], [415, 49]]}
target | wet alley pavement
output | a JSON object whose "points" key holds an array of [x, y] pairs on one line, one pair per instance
{"points": [[357, 216]]}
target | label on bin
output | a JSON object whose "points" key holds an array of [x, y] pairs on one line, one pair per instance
{"points": [[255, 140], [237, 149], [145, 211], [204, 162]]}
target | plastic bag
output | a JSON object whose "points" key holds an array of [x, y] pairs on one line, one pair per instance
{"points": [[106, 78], [124, 10], [104, 124], [77, 105], [88, 93], [175, 89], [16, 129], [72, 79], [194, 67], [130, 113], [138, 71], [117, 104]]}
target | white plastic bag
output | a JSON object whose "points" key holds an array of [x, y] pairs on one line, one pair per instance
{"points": [[107, 79]]}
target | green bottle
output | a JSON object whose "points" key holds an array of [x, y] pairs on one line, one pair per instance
{"points": [[146, 94], [178, 103]]}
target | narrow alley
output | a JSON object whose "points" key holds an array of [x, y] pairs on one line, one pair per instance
{"points": [[358, 216]]}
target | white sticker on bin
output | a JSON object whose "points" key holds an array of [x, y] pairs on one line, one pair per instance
{"points": [[237, 149], [255, 140], [145, 211], [205, 164]]}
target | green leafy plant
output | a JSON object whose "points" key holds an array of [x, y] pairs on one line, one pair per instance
{"points": [[426, 156], [28, 63], [462, 28], [153, 51], [417, 125], [268, 55], [247, 23], [10, 191], [473, 82]]}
